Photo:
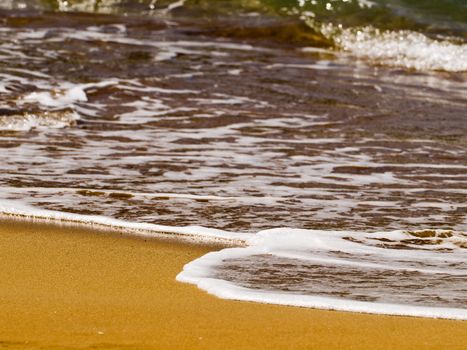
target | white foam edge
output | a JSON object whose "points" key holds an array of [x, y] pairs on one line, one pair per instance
{"points": [[196, 233], [198, 272], [67, 94], [68, 97]]}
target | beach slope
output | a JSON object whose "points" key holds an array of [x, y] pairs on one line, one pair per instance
{"points": [[77, 288]]}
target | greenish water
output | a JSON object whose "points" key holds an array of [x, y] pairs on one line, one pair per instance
{"points": [[433, 17]]}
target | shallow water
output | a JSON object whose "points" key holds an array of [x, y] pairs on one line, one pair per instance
{"points": [[168, 118]]}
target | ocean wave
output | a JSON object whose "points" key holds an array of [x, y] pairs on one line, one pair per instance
{"points": [[291, 135], [415, 35], [196, 233], [406, 49], [403, 273], [436, 256]]}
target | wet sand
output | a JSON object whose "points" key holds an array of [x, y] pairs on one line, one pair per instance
{"points": [[71, 287]]}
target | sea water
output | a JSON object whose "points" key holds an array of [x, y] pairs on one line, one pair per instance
{"points": [[324, 141]]}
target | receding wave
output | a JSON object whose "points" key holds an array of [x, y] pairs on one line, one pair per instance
{"points": [[419, 273], [412, 273], [198, 233]]}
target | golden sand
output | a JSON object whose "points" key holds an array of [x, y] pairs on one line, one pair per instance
{"points": [[74, 288]]}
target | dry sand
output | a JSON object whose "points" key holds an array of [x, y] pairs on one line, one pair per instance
{"points": [[65, 287]]}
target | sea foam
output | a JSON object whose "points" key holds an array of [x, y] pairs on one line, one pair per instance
{"points": [[442, 255], [197, 233], [57, 99], [403, 48], [335, 250], [38, 120]]}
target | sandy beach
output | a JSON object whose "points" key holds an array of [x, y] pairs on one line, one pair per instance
{"points": [[76, 288]]}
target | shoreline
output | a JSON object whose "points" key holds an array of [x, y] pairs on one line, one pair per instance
{"points": [[72, 286], [28, 213]]}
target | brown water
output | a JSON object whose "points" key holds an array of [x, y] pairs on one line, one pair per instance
{"points": [[180, 121], [272, 135]]}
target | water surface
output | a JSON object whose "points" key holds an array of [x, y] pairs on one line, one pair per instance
{"points": [[247, 116]]}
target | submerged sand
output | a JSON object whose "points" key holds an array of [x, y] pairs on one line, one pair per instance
{"points": [[72, 287]]}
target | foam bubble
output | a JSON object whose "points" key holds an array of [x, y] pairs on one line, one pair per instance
{"points": [[403, 48], [441, 255], [433, 253], [58, 98], [39, 120]]}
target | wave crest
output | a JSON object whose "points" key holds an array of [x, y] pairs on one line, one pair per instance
{"points": [[406, 49]]}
